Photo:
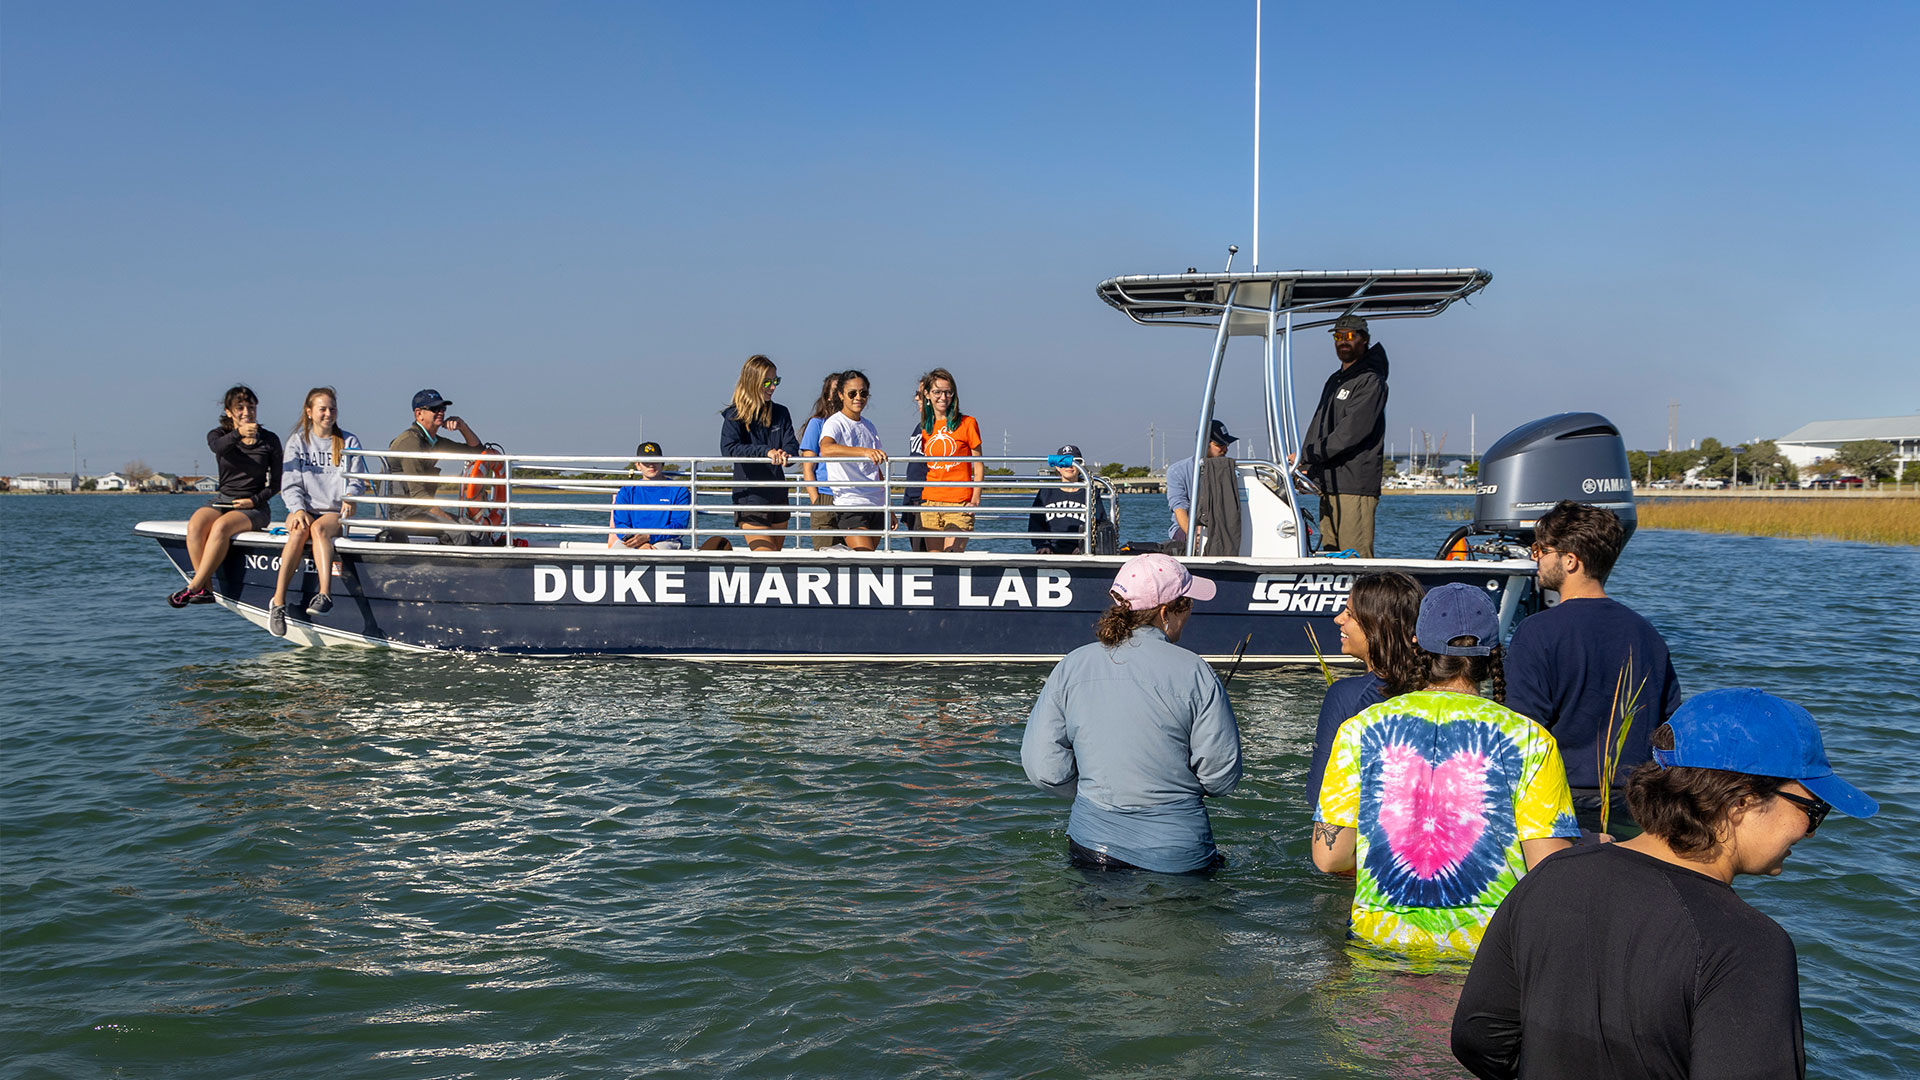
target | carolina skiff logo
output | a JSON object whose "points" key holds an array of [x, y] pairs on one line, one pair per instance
{"points": [[1306, 593], [1606, 483]]}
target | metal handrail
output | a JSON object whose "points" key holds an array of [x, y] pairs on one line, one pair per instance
{"points": [[703, 476]]}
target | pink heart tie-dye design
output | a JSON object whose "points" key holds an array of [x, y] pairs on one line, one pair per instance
{"points": [[1432, 815]]}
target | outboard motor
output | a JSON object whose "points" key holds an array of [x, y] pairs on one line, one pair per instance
{"points": [[1578, 456]]}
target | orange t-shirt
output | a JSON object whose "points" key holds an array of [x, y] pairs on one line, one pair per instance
{"points": [[958, 442]]}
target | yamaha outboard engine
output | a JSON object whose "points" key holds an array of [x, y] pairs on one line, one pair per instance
{"points": [[1578, 456]]}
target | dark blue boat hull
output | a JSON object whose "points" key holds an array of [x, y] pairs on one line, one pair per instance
{"points": [[796, 604]]}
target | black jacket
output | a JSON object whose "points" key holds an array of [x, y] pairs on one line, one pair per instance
{"points": [[1343, 447]]}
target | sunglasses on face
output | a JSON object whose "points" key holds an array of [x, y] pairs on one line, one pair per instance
{"points": [[862, 394], [770, 384], [1816, 809], [1346, 335]]}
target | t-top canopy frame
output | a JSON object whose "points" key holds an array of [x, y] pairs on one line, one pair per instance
{"points": [[1272, 304], [1314, 297]]}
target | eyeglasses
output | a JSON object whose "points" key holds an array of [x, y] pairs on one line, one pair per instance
{"points": [[1538, 549], [770, 384], [1816, 809], [862, 394], [1346, 335], [939, 393]]}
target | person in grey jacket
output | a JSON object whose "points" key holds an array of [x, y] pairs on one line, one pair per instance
{"points": [[316, 489], [1342, 450], [1137, 731]]}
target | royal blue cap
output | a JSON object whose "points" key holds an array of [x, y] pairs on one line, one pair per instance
{"points": [[1457, 610], [1751, 731]]}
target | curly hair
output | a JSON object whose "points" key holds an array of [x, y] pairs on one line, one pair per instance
{"points": [[1118, 622]]}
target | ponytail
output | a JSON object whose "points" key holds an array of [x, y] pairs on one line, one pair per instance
{"points": [[1119, 621], [1488, 672]]}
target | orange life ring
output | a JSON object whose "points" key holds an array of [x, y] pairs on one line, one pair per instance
{"points": [[482, 468]]}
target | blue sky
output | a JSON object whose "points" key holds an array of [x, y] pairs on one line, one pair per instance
{"points": [[575, 219]]}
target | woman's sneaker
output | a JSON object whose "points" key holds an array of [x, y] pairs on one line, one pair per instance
{"points": [[181, 598], [320, 605], [201, 596], [277, 620]]}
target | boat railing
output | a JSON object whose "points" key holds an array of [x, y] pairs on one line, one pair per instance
{"points": [[490, 498]]}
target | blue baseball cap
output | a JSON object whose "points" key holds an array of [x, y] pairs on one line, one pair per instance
{"points": [[1750, 731], [429, 399], [1457, 610]]}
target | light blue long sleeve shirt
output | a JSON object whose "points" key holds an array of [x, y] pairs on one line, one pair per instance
{"points": [[1137, 736]]}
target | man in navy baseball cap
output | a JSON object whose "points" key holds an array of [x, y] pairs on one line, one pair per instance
{"points": [[1636, 959], [423, 437]]}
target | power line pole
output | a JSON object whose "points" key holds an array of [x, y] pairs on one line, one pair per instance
{"points": [[1673, 426]]}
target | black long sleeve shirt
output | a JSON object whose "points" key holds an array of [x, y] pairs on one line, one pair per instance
{"points": [[247, 472], [1608, 964]]}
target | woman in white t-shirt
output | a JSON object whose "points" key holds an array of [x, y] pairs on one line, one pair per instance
{"points": [[851, 445]]}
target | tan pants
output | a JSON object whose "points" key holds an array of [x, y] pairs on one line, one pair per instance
{"points": [[1346, 521]]}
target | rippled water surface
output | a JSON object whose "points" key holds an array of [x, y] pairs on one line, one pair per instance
{"points": [[226, 856]]}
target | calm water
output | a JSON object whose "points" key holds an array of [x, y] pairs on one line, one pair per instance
{"points": [[225, 856]]}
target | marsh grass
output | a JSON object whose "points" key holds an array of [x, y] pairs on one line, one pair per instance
{"points": [[1864, 520]]}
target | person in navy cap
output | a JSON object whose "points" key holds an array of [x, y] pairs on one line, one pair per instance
{"points": [[423, 437], [1061, 512], [1637, 959], [1183, 485]]}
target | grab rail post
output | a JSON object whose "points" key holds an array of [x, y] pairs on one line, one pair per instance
{"points": [[506, 500]]}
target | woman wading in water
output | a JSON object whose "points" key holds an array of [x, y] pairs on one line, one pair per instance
{"points": [[1137, 731], [1438, 800]]}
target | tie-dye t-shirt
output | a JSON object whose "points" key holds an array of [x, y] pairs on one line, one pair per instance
{"points": [[1440, 789]]}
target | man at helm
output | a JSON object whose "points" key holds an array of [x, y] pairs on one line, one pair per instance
{"points": [[1342, 450]]}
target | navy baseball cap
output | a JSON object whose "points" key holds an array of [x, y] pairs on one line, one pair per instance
{"points": [[1457, 610], [1750, 731], [1068, 450], [1219, 433], [429, 399]]}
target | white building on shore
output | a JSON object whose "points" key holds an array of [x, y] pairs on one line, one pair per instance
{"points": [[1812, 442], [46, 482]]}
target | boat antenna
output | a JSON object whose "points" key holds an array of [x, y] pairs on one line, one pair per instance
{"points": [[1256, 134], [1232, 250]]}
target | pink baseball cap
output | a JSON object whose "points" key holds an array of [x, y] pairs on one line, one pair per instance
{"points": [[1147, 581]]}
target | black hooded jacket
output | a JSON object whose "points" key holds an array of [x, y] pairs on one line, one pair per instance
{"points": [[1343, 446]]}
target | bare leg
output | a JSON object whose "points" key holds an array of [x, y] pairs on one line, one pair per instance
{"points": [[198, 526], [325, 531], [861, 541], [219, 538], [289, 562], [764, 543]]}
